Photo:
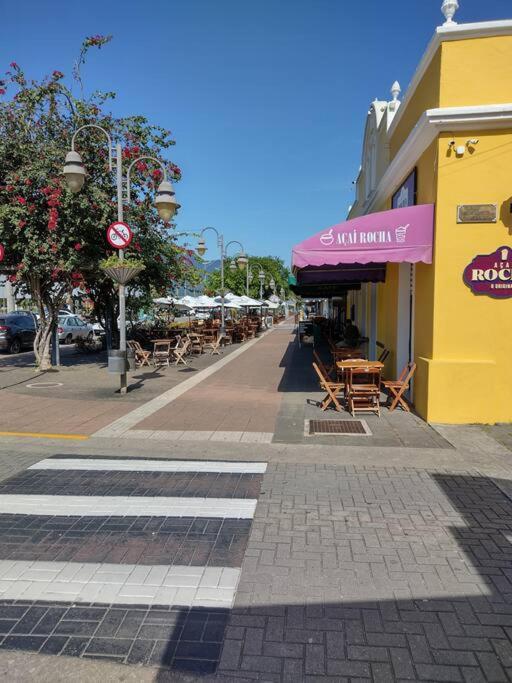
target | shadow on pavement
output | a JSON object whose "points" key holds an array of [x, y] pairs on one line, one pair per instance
{"points": [[436, 606]]}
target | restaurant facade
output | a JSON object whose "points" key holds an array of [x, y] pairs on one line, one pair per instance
{"points": [[423, 262]]}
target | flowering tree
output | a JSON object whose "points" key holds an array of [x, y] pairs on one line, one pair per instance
{"points": [[236, 280], [54, 240]]}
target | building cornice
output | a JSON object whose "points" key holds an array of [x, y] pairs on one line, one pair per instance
{"points": [[431, 123], [483, 29]]}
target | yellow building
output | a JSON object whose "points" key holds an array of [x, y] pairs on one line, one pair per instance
{"points": [[448, 143]]}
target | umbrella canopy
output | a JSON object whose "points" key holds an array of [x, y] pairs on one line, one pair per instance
{"points": [[270, 304], [228, 303], [248, 301], [163, 301], [186, 303], [204, 301]]}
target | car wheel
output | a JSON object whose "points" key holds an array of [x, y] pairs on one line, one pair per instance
{"points": [[68, 339], [15, 346]]}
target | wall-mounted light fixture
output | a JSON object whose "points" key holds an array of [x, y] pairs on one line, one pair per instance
{"points": [[460, 150]]}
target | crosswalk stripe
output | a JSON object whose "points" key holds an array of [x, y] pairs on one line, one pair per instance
{"points": [[118, 584], [134, 465], [103, 506]]}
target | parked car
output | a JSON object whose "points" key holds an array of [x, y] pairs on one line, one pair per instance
{"points": [[17, 331], [71, 327]]}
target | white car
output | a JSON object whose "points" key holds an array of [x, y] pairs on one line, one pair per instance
{"points": [[71, 328]]}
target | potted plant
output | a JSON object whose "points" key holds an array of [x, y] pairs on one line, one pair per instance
{"points": [[121, 270]]}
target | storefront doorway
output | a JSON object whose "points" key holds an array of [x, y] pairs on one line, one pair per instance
{"points": [[405, 319]]}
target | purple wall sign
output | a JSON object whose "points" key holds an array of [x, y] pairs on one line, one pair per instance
{"points": [[491, 274]]}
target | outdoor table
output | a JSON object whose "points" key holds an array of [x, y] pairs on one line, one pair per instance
{"points": [[355, 363], [345, 353], [372, 390]]}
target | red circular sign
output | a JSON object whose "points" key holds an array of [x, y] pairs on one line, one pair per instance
{"points": [[2, 252], [119, 235]]}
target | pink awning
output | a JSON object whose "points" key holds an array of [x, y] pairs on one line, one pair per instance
{"points": [[387, 236]]}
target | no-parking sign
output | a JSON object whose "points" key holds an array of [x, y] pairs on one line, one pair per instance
{"points": [[119, 235], [2, 252]]}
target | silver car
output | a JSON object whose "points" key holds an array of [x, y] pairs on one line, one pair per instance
{"points": [[71, 328]]}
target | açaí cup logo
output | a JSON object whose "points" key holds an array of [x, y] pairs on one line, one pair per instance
{"points": [[491, 274]]}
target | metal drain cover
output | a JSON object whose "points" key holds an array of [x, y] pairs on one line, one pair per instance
{"points": [[351, 427]]}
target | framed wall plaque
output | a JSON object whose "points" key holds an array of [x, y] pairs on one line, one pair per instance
{"points": [[477, 213]]}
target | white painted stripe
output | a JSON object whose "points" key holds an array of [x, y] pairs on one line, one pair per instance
{"points": [[104, 506], [196, 435], [126, 422], [134, 465], [118, 583]]}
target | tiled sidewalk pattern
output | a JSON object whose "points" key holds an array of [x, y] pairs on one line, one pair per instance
{"points": [[374, 574], [143, 573], [243, 397]]}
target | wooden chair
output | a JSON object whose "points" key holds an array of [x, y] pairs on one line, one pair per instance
{"points": [[326, 370], [180, 352], [161, 353], [214, 344], [363, 390], [142, 357], [384, 352], [333, 390], [396, 388], [196, 343]]}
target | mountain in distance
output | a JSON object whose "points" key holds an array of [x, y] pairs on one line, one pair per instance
{"points": [[210, 266]]}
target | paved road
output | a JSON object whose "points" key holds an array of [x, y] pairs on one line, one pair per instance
{"points": [[131, 561], [135, 557]]}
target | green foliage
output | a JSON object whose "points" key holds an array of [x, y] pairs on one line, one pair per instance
{"points": [[115, 262], [236, 280], [55, 240]]}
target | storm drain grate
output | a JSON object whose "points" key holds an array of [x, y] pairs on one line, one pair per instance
{"points": [[352, 427]]}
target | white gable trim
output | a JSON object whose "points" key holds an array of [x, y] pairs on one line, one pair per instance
{"points": [[483, 29], [431, 123]]}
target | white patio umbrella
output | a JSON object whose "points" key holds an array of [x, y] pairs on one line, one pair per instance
{"points": [[249, 302], [228, 303], [163, 301]]}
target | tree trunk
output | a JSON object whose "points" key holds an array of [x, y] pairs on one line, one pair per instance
{"points": [[48, 304]]}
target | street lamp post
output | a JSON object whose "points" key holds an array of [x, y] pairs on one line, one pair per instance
{"points": [[250, 275], [241, 262], [165, 203]]}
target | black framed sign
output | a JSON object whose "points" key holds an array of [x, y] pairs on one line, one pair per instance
{"points": [[406, 193]]}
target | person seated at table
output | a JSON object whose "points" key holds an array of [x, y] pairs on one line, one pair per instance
{"points": [[351, 334]]}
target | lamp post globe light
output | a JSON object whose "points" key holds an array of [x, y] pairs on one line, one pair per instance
{"points": [[241, 262], [250, 278], [272, 284], [165, 203], [261, 278], [232, 266]]}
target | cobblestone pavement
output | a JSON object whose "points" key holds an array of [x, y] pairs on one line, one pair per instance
{"points": [[351, 573], [134, 586], [374, 574]]}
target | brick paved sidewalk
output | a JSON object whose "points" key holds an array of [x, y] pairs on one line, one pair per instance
{"points": [[244, 397], [82, 397], [374, 574]]}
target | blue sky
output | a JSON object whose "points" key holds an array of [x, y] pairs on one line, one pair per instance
{"points": [[266, 98]]}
